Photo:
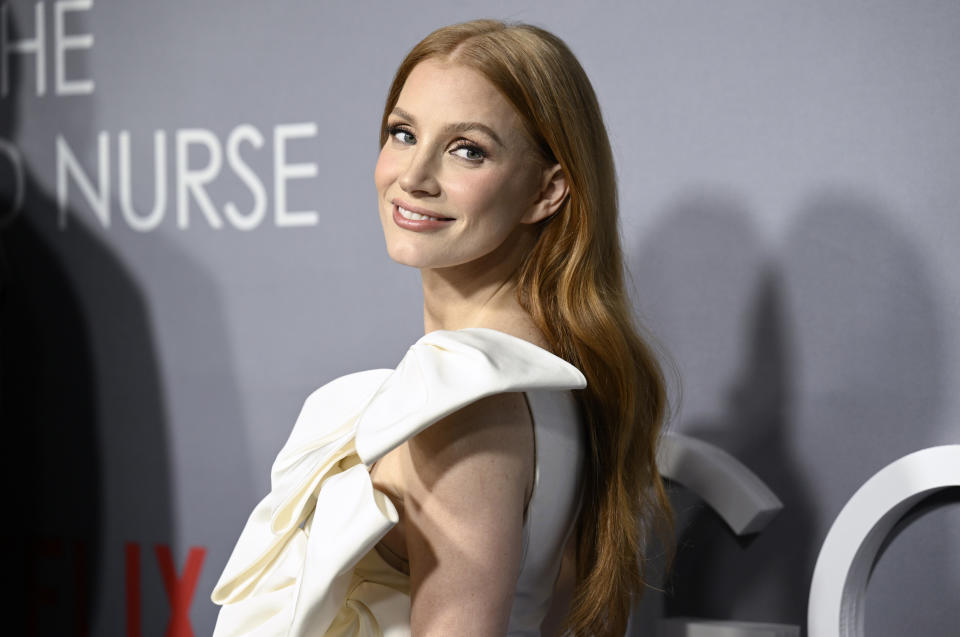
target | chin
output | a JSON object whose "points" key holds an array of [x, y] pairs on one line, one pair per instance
{"points": [[415, 257], [406, 255], [416, 251]]}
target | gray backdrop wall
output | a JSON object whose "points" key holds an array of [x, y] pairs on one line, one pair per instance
{"points": [[191, 245]]}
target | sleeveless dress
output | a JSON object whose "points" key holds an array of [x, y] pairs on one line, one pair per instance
{"points": [[306, 563]]}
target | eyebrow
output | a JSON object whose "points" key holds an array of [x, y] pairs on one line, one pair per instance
{"points": [[455, 127]]}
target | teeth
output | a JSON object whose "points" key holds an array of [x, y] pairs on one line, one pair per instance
{"points": [[415, 216]]}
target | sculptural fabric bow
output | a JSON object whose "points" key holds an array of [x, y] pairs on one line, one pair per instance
{"points": [[292, 571]]}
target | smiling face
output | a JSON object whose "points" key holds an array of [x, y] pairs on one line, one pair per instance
{"points": [[457, 179]]}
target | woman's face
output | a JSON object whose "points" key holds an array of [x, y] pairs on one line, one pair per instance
{"points": [[457, 177]]}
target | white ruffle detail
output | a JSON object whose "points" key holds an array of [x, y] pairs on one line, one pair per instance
{"points": [[292, 571]]}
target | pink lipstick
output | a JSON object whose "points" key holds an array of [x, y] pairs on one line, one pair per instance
{"points": [[417, 219]]}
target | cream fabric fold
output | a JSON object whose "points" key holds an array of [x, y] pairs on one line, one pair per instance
{"points": [[292, 572]]}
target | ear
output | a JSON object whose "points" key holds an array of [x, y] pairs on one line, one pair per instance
{"points": [[553, 192]]}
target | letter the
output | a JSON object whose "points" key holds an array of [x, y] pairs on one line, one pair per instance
{"points": [[282, 171], [63, 42], [33, 45]]}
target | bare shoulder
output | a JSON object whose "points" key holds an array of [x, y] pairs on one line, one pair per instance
{"points": [[494, 425], [484, 451]]}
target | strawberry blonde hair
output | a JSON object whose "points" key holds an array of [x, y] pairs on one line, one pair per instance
{"points": [[572, 285]]}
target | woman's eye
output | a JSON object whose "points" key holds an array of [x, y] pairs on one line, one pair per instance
{"points": [[471, 153], [402, 135]]}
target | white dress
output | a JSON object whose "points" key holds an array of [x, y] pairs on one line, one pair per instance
{"points": [[305, 563]]}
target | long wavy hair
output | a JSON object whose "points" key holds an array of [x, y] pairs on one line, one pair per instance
{"points": [[572, 285]]}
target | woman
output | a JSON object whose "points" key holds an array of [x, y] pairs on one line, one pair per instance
{"points": [[469, 492]]}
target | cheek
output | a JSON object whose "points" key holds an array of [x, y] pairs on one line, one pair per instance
{"points": [[497, 201], [480, 192], [386, 170]]}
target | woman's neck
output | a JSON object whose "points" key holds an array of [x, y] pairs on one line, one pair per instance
{"points": [[482, 293], [454, 298]]}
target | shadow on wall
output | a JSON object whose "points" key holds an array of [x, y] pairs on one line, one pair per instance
{"points": [[78, 382], [755, 578], [94, 421], [94, 416], [828, 368], [704, 273]]}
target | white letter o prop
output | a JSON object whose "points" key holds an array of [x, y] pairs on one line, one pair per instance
{"points": [[847, 556]]}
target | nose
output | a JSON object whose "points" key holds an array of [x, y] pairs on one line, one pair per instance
{"points": [[419, 176]]}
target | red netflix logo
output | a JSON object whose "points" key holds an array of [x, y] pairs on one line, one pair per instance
{"points": [[61, 587]]}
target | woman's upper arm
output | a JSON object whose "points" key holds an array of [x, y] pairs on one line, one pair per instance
{"points": [[464, 499]]}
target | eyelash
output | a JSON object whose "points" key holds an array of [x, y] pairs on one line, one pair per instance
{"points": [[394, 129]]}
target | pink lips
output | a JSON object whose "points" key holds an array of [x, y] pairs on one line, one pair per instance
{"points": [[417, 225]]}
